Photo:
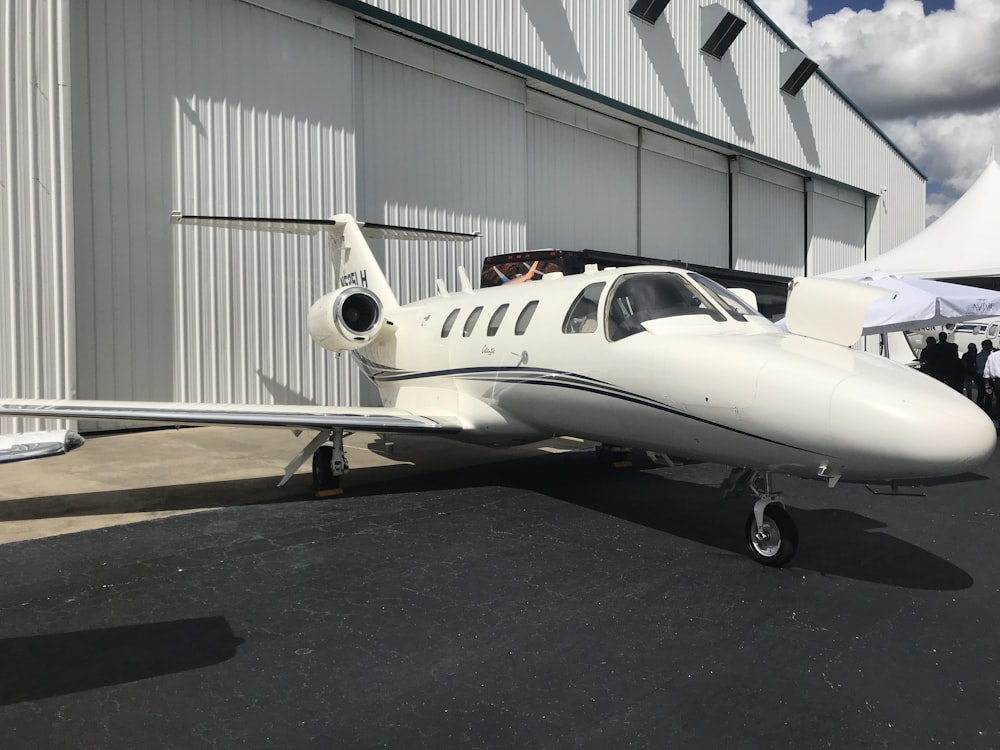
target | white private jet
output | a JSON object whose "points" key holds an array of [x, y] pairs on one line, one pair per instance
{"points": [[654, 358]]}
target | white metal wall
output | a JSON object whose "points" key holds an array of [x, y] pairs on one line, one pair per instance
{"points": [[442, 146], [36, 231], [684, 192], [582, 179], [768, 220], [660, 70], [837, 221], [224, 108]]}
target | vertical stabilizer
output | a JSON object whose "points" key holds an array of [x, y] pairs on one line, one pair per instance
{"points": [[354, 262]]}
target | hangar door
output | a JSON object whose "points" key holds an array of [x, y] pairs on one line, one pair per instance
{"points": [[581, 179], [768, 220], [837, 221], [684, 200], [189, 107], [440, 145]]}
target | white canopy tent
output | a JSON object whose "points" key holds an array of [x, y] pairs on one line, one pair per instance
{"points": [[924, 303], [964, 242]]}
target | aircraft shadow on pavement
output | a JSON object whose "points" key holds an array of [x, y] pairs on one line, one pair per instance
{"points": [[150, 499], [832, 542], [44, 666]]}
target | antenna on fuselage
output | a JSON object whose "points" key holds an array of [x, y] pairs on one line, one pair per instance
{"points": [[463, 278]]}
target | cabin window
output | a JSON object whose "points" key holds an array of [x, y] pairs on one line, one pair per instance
{"points": [[470, 322], [496, 320], [449, 322], [639, 297], [582, 314], [992, 332], [525, 318]]}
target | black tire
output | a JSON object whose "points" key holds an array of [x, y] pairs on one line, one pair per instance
{"points": [[613, 457], [323, 476], [782, 537]]}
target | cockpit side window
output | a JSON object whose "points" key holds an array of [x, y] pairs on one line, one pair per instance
{"points": [[582, 314], [639, 297], [726, 298]]}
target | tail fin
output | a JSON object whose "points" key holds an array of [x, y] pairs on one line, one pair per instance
{"points": [[353, 261]]}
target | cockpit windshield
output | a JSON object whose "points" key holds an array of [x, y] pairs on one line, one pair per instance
{"points": [[726, 298], [639, 297]]}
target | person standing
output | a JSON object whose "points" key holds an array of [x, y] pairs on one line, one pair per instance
{"points": [[981, 358], [929, 358], [949, 365], [969, 372], [991, 377]]}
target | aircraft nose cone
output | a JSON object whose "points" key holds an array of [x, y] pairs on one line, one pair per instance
{"points": [[908, 427]]}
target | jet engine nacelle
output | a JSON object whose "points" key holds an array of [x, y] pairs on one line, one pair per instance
{"points": [[346, 319]]}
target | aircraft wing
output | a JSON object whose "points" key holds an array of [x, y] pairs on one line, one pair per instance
{"points": [[370, 418]]}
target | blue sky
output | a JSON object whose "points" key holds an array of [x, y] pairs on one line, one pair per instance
{"points": [[927, 72], [819, 8]]}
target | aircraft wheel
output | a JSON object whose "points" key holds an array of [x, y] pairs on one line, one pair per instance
{"points": [[775, 542], [324, 480], [613, 456]]}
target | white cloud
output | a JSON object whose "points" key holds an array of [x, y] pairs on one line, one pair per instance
{"points": [[791, 16], [951, 149], [931, 82], [897, 62]]}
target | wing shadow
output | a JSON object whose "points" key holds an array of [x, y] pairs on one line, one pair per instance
{"points": [[170, 498], [44, 666]]}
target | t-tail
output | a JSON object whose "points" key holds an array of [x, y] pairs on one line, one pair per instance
{"points": [[352, 315]]}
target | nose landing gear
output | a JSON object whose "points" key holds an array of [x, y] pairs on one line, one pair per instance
{"points": [[771, 534]]}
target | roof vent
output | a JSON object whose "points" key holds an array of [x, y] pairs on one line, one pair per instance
{"points": [[648, 10], [796, 69], [719, 29]]}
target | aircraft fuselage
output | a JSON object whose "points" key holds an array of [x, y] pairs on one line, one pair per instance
{"points": [[704, 384]]}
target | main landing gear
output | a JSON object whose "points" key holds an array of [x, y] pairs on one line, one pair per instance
{"points": [[772, 537], [329, 465]]}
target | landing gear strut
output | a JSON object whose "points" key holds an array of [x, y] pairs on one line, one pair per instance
{"points": [[329, 465], [772, 537]]}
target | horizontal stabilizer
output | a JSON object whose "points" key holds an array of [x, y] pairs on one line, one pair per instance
{"points": [[314, 226]]}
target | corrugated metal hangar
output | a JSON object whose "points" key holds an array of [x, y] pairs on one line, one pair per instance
{"points": [[678, 129]]}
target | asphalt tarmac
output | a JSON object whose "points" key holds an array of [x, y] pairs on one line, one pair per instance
{"points": [[545, 602]]}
